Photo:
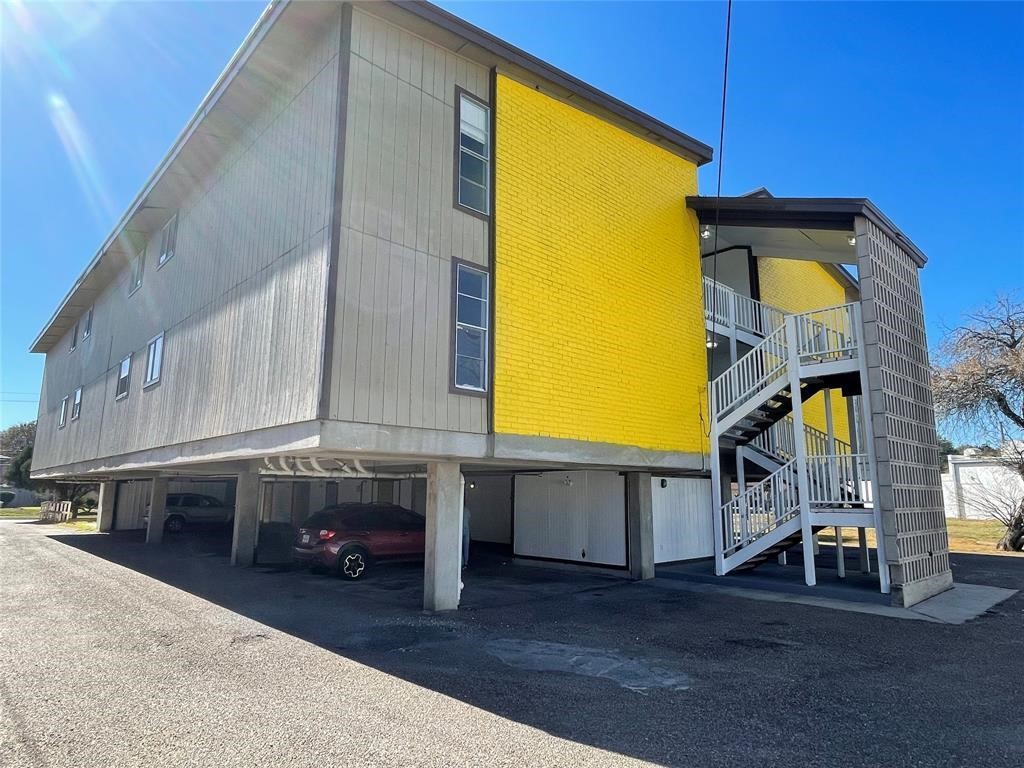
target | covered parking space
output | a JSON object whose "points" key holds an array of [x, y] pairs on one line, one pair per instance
{"points": [[193, 505], [598, 520]]}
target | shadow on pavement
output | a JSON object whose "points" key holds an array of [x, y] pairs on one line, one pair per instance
{"points": [[631, 668], [379, 622]]}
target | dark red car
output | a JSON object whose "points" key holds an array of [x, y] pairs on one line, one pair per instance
{"points": [[348, 539]]}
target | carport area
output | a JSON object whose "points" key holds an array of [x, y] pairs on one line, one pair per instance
{"points": [[584, 521]]}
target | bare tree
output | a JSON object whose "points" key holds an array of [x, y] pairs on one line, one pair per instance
{"points": [[978, 380]]}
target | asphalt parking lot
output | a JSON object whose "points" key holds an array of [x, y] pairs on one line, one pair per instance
{"points": [[115, 653]]}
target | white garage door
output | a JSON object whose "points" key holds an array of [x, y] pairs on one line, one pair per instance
{"points": [[575, 516], [683, 528]]}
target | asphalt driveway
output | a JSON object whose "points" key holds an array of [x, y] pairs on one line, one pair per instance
{"points": [[114, 653]]}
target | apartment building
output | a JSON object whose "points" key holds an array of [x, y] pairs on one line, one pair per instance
{"points": [[394, 257]]}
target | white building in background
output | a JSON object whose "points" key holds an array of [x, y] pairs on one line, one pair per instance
{"points": [[974, 486]]}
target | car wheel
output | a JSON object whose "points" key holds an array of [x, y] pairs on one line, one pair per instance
{"points": [[353, 563], [174, 524]]}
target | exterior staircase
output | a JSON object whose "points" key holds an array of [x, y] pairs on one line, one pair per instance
{"points": [[756, 408]]}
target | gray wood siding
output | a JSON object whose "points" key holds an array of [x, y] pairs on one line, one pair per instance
{"points": [[399, 233], [241, 303]]}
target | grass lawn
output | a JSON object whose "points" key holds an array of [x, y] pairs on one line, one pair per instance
{"points": [[83, 523], [18, 513], [975, 536]]}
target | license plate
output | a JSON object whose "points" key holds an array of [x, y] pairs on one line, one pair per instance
{"points": [[305, 538]]}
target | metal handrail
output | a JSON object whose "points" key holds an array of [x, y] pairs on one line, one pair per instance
{"points": [[837, 480], [728, 308], [760, 509], [761, 366], [777, 441], [827, 334]]}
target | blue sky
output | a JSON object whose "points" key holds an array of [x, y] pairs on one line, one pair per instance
{"points": [[919, 106]]}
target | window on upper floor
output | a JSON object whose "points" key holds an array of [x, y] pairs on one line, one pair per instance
{"points": [[137, 267], [62, 419], [76, 404], [123, 375], [154, 360], [471, 313], [74, 339], [87, 330], [473, 119], [168, 240]]}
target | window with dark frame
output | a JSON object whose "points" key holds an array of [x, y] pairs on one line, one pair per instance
{"points": [[154, 360], [76, 404], [472, 290], [138, 265], [123, 375], [474, 125], [168, 240], [87, 331], [63, 418], [74, 339]]}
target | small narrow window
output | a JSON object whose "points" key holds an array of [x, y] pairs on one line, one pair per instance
{"points": [[138, 265], [123, 374], [74, 339], [76, 404], [474, 154], [154, 360], [471, 322], [168, 240], [87, 331], [63, 418]]}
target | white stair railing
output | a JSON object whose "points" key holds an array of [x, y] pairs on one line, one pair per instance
{"points": [[717, 303], [815, 472], [726, 308], [777, 441], [760, 367], [760, 509], [839, 479], [824, 335]]}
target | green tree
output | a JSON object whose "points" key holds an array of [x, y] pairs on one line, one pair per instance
{"points": [[15, 438], [946, 448], [19, 474], [21, 466]]}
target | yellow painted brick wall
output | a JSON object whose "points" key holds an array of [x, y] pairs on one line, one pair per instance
{"points": [[797, 285], [599, 331]]}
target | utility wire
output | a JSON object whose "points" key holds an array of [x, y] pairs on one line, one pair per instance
{"points": [[718, 192]]}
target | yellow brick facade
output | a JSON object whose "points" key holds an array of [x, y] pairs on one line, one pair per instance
{"points": [[598, 319], [797, 285]]}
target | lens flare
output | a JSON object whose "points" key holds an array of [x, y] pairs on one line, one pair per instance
{"points": [[80, 154]]}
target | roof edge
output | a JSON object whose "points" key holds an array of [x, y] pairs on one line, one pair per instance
{"points": [[266, 20], [698, 151]]}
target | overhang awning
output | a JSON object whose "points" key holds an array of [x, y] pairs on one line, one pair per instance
{"points": [[815, 228]]}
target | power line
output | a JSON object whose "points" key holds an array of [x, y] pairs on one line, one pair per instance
{"points": [[718, 192]]}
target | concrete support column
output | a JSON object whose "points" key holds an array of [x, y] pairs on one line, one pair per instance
{"points": [[157, 510], [105, 508], [840, 554], [640, 523], [247, 519], [862, 545], [442, 563]]}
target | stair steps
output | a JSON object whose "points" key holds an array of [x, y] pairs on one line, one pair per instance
{"points": [[802, 356]]}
